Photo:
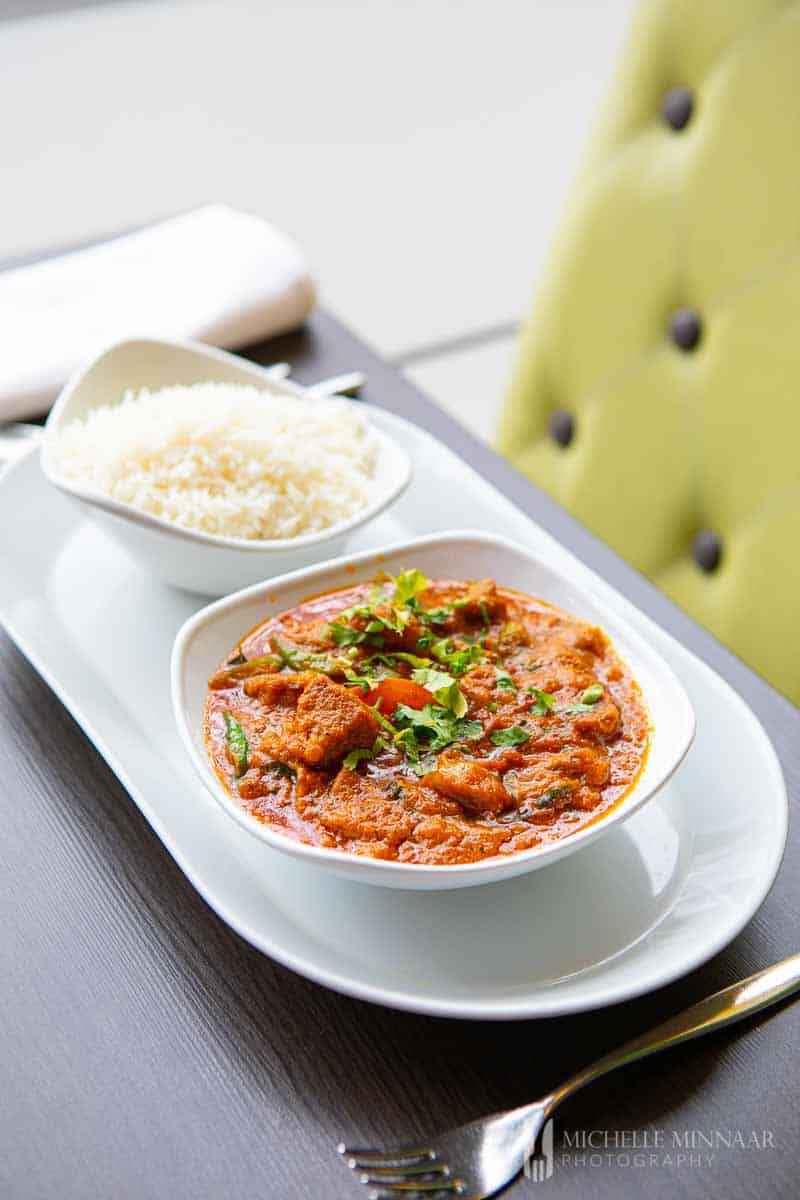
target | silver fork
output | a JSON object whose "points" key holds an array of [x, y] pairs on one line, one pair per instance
{"points": [[476, 1160]]}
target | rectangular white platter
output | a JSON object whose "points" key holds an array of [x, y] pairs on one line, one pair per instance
{"points": [[691, 868]]}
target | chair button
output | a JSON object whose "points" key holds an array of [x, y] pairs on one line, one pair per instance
{"points": [[562, 427], [685, 328], [707, 550], [676, 108]]}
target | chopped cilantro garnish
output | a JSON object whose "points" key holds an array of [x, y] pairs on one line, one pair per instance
{"points": [[505, 682], [437, 725], [435, 616], [382, 720], [351, 760], [365, 676], [345, 635], [426, 765], [300, 659], [407, 585], [391, 656], [484, 614], [513, 736], [353, 679], [360, 753], [587, 701], [545, 703], [443, 687], [459, 661]]}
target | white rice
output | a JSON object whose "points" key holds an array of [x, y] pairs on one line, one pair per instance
{"points": [[226, 459]]}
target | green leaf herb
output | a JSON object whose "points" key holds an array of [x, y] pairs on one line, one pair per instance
{"points": [[443, 686], [299, 659], [361, 753], [425, 765], [352, 759], [545, 703], [238, 745], [346, 635], [505, 682], [407, 585], [513, 736], [436, 725], [383, 721], [587, 700], [435, 616], [458, 662], [392, 656]]}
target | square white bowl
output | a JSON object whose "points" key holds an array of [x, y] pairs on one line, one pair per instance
{"points": [[210, 634], [201, 562]]}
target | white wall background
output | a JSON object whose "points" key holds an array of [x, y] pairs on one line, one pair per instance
{"points": [[419, 151]]}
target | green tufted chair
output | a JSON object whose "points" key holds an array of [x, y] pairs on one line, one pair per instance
{"points": [[657, 388]]}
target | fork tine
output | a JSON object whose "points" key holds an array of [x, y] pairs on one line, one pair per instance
{"points": [[399, 1174], [390, 1191], [411, 1157]]}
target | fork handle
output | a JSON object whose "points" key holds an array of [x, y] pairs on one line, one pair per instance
{"points": [[722, 1008]]}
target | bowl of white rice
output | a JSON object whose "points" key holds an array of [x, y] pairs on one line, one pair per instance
{"points": [[212, 473]]}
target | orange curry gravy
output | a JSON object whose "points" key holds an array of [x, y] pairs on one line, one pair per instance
{"points": [[426, 721]]}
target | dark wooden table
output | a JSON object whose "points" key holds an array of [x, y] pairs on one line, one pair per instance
{"points": [[148, 1052]]}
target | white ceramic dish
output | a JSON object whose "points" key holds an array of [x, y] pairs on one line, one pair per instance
{"points": [[652, 900], [212, 633], [200, 562]]}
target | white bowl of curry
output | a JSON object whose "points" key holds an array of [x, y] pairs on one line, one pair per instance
{"points": [[432, 715]]}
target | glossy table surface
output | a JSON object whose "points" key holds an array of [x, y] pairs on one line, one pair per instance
{"points": [[148, 1052]]}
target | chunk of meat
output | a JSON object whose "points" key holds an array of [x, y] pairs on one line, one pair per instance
{"points": [[480, 685], [447, 839], [512, 637], [364, 813], [585, 637], [603, 720], [586, 762], [479, 597], [577, 772], [473, 784], [327, 723]]}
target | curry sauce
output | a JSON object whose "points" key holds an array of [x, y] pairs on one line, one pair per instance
{"points": [[426, 721]]}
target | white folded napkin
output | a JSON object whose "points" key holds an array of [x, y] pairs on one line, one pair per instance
{"points": [[215, 274]]}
